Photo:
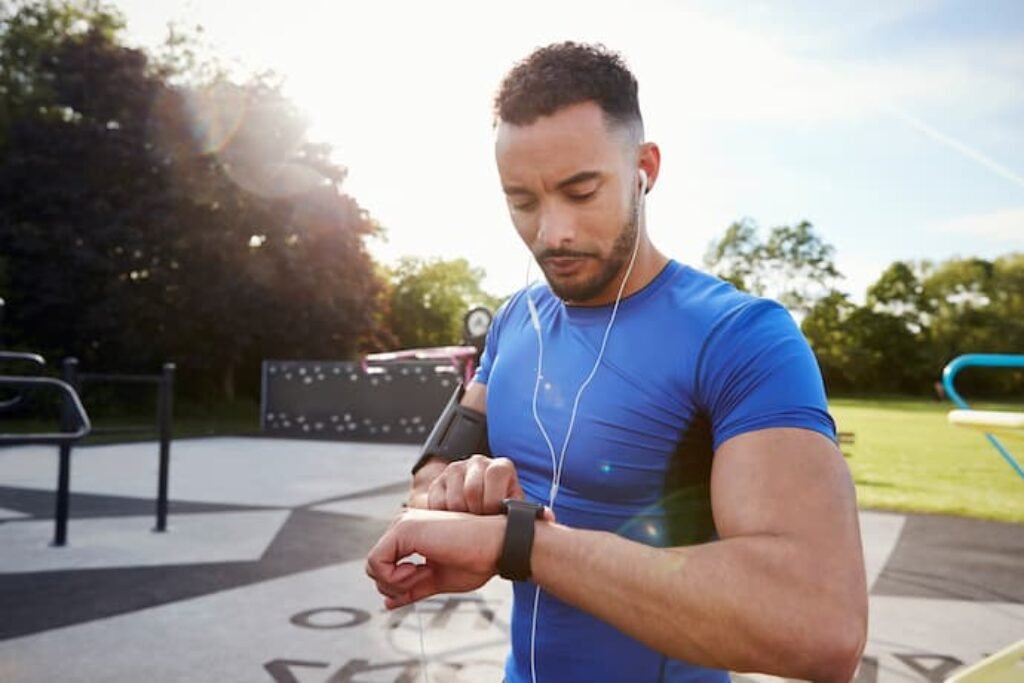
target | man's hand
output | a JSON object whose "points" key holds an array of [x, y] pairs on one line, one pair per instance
{"points": [[477, 485], [461, 553]]}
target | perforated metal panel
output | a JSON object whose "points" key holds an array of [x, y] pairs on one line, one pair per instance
{"points": [[343, 401]]}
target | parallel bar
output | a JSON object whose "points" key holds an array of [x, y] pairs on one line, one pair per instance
{"points": [[165, 409], [18, 356], [55, 439], [60, 515]]}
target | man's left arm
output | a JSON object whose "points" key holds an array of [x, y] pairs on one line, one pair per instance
{"points": [[782, 591]]}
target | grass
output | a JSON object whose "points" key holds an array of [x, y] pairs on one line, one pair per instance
{"points": [[908, 458]]}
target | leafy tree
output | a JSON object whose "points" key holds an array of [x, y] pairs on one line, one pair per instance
{"points": [[860, 349], [793, 265], [429, 298], [900, 292], [142, 220], [978, 307]]}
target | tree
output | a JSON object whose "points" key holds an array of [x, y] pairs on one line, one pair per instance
{"points": [[794, 265], [900, 292], [143, 220], [863, 350], [429, 298], [978, 307]]}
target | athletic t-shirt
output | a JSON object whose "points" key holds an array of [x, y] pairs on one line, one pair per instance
{"points": [[690, 362]]}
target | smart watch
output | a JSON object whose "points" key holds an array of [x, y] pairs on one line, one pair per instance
{"points": [[514, 563]]}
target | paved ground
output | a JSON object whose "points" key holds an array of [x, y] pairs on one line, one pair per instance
{"points": [[260, 576]]}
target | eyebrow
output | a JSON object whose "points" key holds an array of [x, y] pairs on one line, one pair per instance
{"points": [[581, 177]]}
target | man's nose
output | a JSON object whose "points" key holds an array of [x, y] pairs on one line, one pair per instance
{"points": [[556, 227]]}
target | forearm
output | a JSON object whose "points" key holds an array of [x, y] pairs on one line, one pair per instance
{"points": [[754, 603]]}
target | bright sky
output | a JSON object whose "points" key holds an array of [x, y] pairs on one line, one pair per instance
{"points": [[897, 128]]}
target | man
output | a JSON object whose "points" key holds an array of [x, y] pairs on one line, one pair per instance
{"points": [[700, 517]]}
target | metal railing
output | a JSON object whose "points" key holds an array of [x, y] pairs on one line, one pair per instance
{"points": [[75, 425], [982, 360], [164, 413]]}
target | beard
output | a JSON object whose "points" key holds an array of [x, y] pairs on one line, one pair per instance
{"points": [[610, 266]]}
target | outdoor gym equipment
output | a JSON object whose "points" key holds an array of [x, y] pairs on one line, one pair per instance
{"points": [[1006, 424], [1005, 666]]}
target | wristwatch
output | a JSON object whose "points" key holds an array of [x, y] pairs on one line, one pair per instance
{"points": [[514, 563]]}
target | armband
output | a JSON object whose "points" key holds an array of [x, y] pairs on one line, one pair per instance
{"points": [[459, 433]]}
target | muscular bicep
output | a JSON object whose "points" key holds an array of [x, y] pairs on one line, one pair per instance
{"points": [[791, 483]]}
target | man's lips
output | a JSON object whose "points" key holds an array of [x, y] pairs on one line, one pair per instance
{"points": [[563, 265]]}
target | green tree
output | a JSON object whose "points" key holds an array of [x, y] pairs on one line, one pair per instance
{"points": [[863, 350], [429, 298], [899, 291], [977, 307], [142, 220], [794, 265]]}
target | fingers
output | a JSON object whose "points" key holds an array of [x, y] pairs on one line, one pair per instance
{"points": [[393, 580], [424, 589], [500, 482], [455, 496], [437, 495], [476, 485]]}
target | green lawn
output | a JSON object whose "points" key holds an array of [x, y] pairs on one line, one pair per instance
{"points": [[908, 458]]}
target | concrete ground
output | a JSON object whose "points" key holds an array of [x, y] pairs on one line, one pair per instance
{"points": [[260, 576]]}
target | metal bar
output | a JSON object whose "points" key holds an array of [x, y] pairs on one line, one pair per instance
{"points": [[62, 504], [983, 360], [60, 514], [18, 356], [165, 403], [22, 356], [112, 377], [78, 412]]}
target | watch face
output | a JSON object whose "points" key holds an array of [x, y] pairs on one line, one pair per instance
{"points": [[477, 322]]}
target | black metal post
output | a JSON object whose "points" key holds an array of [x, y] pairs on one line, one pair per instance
{"points": [[60, 533], [165, 407]]}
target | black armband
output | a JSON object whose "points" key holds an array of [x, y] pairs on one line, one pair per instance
{"points": [[459, 433]]}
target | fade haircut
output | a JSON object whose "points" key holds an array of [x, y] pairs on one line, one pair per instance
{"points": [[563, 74]]}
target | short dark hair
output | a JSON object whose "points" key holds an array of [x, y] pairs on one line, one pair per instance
{"points": [[563, 74]]}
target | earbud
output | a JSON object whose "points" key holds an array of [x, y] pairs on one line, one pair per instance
{"points": [[643, 182]]}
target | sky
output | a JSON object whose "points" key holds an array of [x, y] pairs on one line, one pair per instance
{"points": [[896, 128]]}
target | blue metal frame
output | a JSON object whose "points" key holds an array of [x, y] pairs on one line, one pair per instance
{"points": [[983, 360]]}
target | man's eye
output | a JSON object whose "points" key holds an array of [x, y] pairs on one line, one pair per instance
{"points": [[582, 196], [524, 206]]}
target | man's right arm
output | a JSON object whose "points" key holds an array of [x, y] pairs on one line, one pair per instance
{"points": [[475, 397]]}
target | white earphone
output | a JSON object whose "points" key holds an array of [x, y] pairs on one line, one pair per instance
{"points": [[556, 464]]}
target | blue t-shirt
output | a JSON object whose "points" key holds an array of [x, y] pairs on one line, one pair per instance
{"points": [[690, 362]]}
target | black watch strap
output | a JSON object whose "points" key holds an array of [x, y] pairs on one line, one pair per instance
{"points": [[514, 563]]}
